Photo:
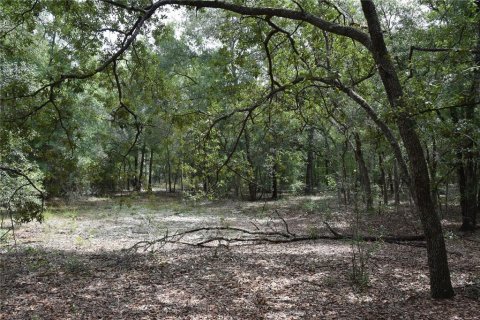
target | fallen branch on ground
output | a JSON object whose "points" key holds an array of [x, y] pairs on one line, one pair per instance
{"points": [[389, 239], [226, 236]]}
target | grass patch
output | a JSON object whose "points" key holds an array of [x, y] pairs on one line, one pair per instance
{"points": [[74, 265]]}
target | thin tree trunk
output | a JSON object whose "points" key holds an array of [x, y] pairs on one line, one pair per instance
{"points": [[128, 175], [252, 177], [469, 219], [344, 185], [205, 185], [440, 283], [327, 166], [181, 175], [165, 175], [391, 190], [383, 180], [309, 181], [147, 167], [142, 162], [169, 170], [447, 193], [363, 172], [175, 177], [274, 180], [396, 183], [135, 168], [432, 164], [150, 170], [467, 184], [125, 175], [236, 187]]}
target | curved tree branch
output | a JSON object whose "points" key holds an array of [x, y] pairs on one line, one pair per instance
{"points": [[375, 118], [17, 172], [314, 20]]}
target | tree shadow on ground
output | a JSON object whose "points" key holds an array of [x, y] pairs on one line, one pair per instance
{"points": [[295, 281]]}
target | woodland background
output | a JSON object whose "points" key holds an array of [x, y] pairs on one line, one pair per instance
{"points": [[292, 127]]}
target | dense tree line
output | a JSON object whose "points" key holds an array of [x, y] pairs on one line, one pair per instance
{"points": [[253, 100]]}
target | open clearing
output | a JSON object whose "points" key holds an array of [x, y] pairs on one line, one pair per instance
{"points": [[72, 266]]}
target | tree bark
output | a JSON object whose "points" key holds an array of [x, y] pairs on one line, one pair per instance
{"points": [[387, 132], [363, 172], [150, 170], [169, 170], [181, 176], [390, 187], [309, 176], [252, 180], [383, 180], [432, 167], [469, 217], [125, 175], [461, 186], [478, 197], [440, 283], [135, 171], [469, 220], [274, 180], [467, 184], [175, 178], [344, 187], [396, 184], [142, 162]]}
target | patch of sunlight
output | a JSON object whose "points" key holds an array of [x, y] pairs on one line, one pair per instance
{"points": [[357, 298]]}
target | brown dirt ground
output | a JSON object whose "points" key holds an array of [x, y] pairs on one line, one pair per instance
{"points": [[73, 267]]}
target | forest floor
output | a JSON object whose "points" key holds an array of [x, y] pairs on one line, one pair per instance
{"points": [[74, 265]]}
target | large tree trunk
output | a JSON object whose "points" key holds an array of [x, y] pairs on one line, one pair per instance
{"points": [[469, 219], [478, 196], [363, 172], [440, 283]]}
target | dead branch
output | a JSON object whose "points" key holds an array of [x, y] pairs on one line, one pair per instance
{"points": [[208, 237], [388, 239]]}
